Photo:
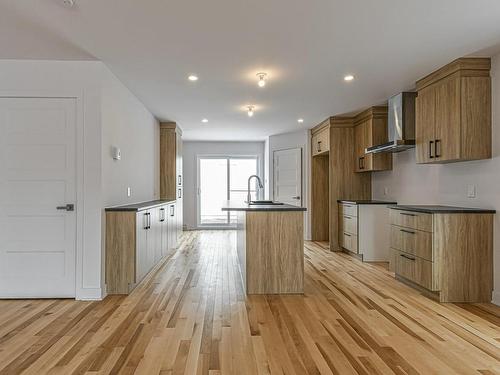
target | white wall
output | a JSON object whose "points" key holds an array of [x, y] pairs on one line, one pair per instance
{"points": [[127, 124], [106, 113], [190, 152], [299, 139], [410, 183]]}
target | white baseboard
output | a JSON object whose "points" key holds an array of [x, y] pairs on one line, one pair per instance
{"points": [[89, 294], [496, 298]]}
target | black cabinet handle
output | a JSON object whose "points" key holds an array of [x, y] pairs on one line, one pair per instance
{"points": [[179, 180], [147, 226], [438, 154], [347, 217], [430, 150], [407, 257], [179, 193], [407, 231], [172, 210], [348, 235], [405, 214], [319, 146], [162, 215]]}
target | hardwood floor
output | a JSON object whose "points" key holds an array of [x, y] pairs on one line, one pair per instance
{"points": [[190, 316]]}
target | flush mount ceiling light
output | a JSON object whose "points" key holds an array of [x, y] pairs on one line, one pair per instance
{"points": [[69, 3], [250, 110], [204, 120], [348, 78], [300, 120], [193, 78], [262, 79]]}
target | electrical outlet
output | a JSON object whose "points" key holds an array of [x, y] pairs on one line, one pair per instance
{"points": [[129, 192], [471, 191]]}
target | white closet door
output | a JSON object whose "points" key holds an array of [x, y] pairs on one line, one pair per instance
{"points": [[288, 176], [37, 175]]}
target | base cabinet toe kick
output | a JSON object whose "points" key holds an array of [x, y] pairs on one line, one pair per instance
{"points": [[445, 252]]}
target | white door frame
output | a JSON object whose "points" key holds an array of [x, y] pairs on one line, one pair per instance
{"points": [[79, 167], [197, 189]]}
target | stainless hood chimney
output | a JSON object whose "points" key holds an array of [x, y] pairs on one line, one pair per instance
{"points": [[400, 124]]}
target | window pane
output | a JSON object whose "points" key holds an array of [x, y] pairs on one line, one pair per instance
{"points": [[213, 186], [241, 169]]}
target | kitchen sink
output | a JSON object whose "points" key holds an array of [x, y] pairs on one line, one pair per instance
{"points": [[264, 203]]}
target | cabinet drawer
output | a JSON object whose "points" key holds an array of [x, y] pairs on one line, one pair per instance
{"points": [[350, 224], [412, 220], [349, 209], [413, 268], [350, 242], [412, 241]]}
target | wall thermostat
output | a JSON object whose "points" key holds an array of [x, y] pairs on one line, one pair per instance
{"points": [[116, 153]]}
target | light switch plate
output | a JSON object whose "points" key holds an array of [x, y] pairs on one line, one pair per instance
{"points": [[471, 191], [129, 192]]}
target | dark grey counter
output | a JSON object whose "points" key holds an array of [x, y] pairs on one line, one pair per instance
{"points": [[140, 206], [242, 206], [365, 201], [431, 209]]}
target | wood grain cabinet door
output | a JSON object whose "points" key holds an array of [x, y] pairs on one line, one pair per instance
{"points": [[425, 125], [359, 142], [447, 121]]}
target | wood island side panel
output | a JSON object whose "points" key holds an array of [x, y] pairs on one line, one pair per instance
{"points": [[120, 251], [274, 252]]}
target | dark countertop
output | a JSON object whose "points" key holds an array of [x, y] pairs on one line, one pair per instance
{"points": [[364, 201], [140, 206], [443, 209], [242, 206]]}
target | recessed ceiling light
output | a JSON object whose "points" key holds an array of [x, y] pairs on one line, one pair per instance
{"points": [[193, 78], [69, 3], [204, 120], [262, 79], [250, 110], [348, 77], [300, 120]]}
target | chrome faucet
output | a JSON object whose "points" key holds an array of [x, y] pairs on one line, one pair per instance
{"points": [[249, 196]]}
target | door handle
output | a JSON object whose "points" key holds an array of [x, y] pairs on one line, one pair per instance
{"points": [[436, 148], [68, 207], [430, 150]]}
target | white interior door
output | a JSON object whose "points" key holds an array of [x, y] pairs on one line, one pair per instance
{"points": [[37, 175], [288, 176]]}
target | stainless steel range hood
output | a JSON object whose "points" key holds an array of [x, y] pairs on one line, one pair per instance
{"points": [[400, 124]]}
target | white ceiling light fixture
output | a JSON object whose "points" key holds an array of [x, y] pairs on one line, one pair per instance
{"points": [[262, 79], [300, 120], [205, 120], [193, 78], [69, 3], [250, 110], [348, 77]]}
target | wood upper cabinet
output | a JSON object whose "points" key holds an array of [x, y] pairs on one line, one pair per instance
{"points": [[320, 139], [453, 113], [170, 161], [371, 129]]}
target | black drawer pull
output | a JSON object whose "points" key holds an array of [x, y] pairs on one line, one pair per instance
{"points": [[347, 217], [407, 257], [407, 231], [348, 235]]}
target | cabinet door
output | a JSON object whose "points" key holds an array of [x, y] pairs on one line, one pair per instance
{"points": [[447, 126], [172, 227], [425, 125], [178, 151], [141, 261], [359, 141]]}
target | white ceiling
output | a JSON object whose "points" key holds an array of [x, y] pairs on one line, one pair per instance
{"points": [[305, 46]]}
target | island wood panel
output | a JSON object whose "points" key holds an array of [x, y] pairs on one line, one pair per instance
{"points": [[120, 251], [274, 252], [190, 316], [320, 183], [345, 183], [463, 246]]}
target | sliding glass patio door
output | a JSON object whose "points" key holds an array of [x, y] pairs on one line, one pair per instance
{"points": [[222, 178]]}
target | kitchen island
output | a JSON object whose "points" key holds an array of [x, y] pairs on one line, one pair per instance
{"points": [[270, 244]]}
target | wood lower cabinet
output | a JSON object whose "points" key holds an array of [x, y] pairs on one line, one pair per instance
{"points": [[370, 129], [136, 240], [448, 253], [453, 113]]}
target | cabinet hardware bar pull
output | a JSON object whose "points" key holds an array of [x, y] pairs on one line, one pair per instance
{"points": [[407, 231], [405, 214], [68, 207], [347, 217], [407, 257], [430, 150], [319, 146], [438, 155], [348, 235]]}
